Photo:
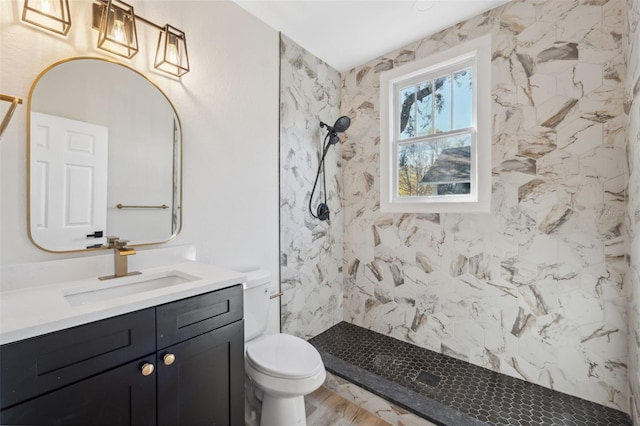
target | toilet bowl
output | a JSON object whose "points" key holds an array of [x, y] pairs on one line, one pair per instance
{"points": [[283, 368]]}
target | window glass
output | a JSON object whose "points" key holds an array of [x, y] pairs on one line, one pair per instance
{"points": [[407, 113], [442, 104], [425, 108], [462, 99], [439, 166]]}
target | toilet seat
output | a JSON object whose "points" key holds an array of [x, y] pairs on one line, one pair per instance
{"points": [[284, 356]]}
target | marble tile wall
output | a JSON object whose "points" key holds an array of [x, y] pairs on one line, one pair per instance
{"points": [[311, 251], [633, 209], [534, 289]]}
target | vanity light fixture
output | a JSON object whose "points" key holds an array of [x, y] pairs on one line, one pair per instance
{"points": [[171, 53], [116, 22], [51, 15], [117, 29]]}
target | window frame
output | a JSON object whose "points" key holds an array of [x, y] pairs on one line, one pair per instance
{"points": [[475, 54]]}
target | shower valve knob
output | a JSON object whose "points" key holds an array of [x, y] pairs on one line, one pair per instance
{"points": [[323, 211]]}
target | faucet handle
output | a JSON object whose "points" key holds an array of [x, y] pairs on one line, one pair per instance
{"points": [[121, 243], [111, 240]]}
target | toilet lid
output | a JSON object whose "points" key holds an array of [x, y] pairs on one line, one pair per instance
{"points": [[284, 356]]}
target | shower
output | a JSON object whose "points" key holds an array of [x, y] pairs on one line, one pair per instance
{"points": [[341, 124]]}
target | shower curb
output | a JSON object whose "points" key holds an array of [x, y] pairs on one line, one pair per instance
{"points": [[412, 401]]}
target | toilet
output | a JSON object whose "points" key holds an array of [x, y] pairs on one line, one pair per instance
{"points": [[282, 368]]}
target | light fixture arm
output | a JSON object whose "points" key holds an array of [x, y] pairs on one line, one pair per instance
{"points": [[148, 22]]}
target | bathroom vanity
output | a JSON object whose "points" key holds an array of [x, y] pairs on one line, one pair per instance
{"points": [[162, 343], [175, 357]]}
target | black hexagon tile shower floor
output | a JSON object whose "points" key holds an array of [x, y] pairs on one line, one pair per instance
{"points": [[448, 391]]}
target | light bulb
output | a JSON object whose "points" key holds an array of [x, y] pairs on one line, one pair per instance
{"points": [[118, 32], [173, 55]]}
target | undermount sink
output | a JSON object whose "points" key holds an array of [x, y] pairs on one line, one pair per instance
{"points": [[125, 286]]}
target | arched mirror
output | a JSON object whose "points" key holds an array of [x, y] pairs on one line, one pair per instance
{"points": [[104, 157]]}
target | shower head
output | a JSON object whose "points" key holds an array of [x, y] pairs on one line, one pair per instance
{"points": [[340, 126]]}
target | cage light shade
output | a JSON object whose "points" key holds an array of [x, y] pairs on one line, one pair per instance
{"points": [[117, 32], [171, 54], [51, 15]]}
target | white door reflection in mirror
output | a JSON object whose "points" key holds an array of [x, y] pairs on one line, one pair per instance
{"points": [[68, 161]]}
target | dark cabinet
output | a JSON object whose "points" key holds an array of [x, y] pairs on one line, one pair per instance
{"points": [[201, 360], [181, 363], [122, 396], [201, 386]]}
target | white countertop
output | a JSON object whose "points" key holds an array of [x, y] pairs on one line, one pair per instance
{"points": [[33, 311]]}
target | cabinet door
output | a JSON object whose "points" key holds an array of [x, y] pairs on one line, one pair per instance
{"points": [[205, 383], [122, 396]]}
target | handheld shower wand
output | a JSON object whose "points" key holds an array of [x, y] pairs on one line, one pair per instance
{"points": [[341, 125]]}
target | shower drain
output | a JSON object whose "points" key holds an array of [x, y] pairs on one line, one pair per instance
{"points": [[428, 378]]}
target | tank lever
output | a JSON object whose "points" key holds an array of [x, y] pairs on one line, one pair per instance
{"points": [[274, 295]]}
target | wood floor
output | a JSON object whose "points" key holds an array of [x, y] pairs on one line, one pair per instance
{"points": [[325, 408]]}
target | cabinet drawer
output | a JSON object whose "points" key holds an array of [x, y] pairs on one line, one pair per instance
{"points": [[35, 366], [186, 318]]}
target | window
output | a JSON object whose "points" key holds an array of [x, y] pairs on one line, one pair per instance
{"points": [[436, 132]]}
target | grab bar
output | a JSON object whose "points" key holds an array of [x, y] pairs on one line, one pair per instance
{"points": [[122, 206]]}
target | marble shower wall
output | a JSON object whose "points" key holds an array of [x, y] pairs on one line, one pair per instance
{"points": [[311, 251], [534, 289], [633, 150]]}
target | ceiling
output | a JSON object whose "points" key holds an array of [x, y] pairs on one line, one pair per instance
{"points": [[348, 33]]}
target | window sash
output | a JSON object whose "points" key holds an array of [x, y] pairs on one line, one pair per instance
{"points": [[448, 198], [442, 135], [432, 75]]}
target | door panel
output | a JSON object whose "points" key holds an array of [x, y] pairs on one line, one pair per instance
{"points": [[69, 182]]}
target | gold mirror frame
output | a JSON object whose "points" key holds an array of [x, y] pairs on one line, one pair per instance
{"points": [[179, 150]]}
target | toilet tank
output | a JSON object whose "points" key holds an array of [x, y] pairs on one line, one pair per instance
{"points": [[256, 303]]}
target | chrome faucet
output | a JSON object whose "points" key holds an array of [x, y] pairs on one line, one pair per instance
{"points": [[120, 254]]}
